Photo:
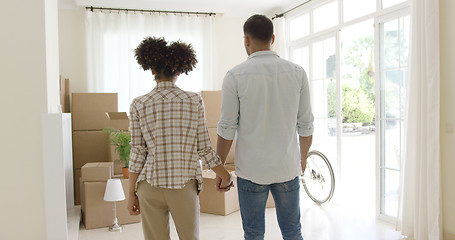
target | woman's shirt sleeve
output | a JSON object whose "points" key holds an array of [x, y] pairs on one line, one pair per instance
{"points": [[138, 147], [204, 147]]}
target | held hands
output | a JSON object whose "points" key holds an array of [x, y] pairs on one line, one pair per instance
{"points": [[224, 184], [133, 205]]}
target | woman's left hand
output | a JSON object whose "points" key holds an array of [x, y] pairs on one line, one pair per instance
{"points": [[133, 205]]}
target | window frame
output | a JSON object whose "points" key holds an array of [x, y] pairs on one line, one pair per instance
{"points": [[381, 14], [378, 75]]}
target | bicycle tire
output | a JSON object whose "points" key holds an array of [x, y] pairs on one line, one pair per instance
{"points": [[315, 153]]}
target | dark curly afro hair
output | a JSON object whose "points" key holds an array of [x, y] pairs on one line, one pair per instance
{"points": [[166, 60]]}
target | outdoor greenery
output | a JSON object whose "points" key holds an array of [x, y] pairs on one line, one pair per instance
{"points": [[121, 141], [361, 57], [357, 107], [332, 99], [358, 103]]}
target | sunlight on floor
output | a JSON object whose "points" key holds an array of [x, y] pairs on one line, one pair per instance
{"points": [[331, 221]]}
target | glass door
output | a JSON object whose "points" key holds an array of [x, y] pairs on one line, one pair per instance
{"points": [[323, 88], [318, 58], [358, 163], [393, 52]]}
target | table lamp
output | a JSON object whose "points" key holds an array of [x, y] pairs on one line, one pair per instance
{"points": [[114, 192]]}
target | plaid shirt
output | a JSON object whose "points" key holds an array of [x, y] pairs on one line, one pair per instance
{"points": [[169, 136]]}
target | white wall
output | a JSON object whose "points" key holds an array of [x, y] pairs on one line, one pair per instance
{"points": [[71, 30], [447, 40], [52, 71], [24, 97], [228, 50]]}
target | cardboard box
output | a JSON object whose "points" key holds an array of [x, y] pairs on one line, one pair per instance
{"points": [[77, 186], [82, 194], [118, 120], [214, 139], [90, 146], [212, 104], [89, 110], [98, 213], [67, 96], [97, 171], [64, 94], [214, 202]]}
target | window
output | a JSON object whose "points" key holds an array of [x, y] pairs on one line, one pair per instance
{"points": [[325, 16], [358, 135], [112, 38], [394, 43], [322, 81], [389, 3], [323, 96], [300, 27], [354, 8], [347, 71]]}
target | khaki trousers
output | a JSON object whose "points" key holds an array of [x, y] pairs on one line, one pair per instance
{"points": [[156, 203]]}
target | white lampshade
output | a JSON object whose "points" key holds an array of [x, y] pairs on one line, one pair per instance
{"points": [[114, 191]]}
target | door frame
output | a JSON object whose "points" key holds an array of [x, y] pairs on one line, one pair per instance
{"points": [[378, 82]]}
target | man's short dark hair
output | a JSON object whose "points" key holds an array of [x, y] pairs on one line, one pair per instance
{"points": [[259, 27]]}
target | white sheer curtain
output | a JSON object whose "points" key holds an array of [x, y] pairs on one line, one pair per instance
{"points": [[280, 44], [113, 36], [420, 215]]}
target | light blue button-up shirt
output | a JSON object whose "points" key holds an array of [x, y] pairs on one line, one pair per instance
{"points": [[266, 100]]}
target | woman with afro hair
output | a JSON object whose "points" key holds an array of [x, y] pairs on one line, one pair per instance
{"points": [[169, 138]]}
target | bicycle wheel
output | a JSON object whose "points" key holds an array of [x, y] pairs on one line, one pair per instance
{"points": [[318, 179]]}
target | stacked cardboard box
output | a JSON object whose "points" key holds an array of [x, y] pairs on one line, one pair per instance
{"points": [[90, 143], [212, 201], [212, 104], [94, 111], [96, 212], [64, 84]]}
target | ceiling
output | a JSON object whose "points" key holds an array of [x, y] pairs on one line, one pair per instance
{"points": [[230, 7]]}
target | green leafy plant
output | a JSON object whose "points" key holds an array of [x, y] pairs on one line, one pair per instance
{"points": [[360, 56], [357, 107], [121, 141]]}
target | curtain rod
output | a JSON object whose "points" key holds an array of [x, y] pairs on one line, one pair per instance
{"points": [[282, 14], [148, 11]]}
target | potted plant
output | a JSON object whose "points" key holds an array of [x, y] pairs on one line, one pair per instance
{"points": [[121, 141]]}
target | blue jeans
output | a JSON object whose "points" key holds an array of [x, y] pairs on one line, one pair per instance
{"points": [[252, 200]]}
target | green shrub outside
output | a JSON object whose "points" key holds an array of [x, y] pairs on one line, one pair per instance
{"points": [[356, 105]]}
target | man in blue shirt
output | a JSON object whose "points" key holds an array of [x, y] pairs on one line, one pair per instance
{"points": [[266, 101]]}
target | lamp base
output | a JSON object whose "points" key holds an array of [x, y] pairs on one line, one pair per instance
{"points": [[115, 227]]}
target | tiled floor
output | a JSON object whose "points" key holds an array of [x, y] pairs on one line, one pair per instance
{"points": [[337, 220]]}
